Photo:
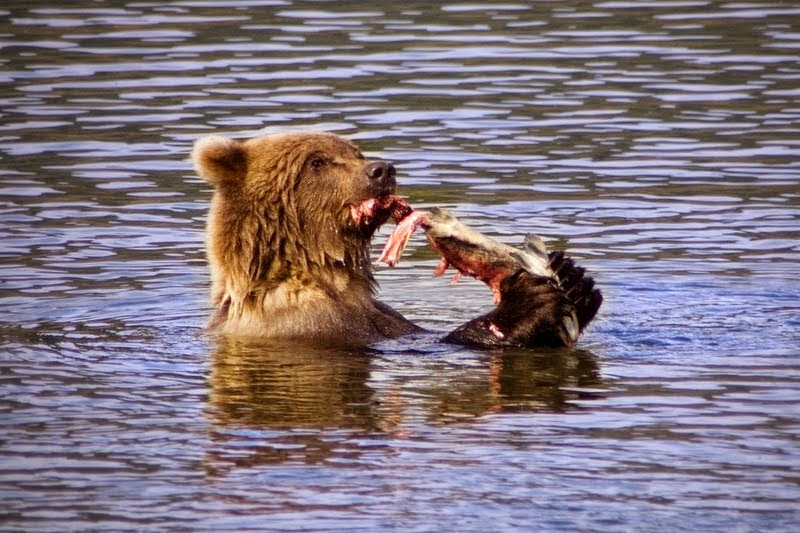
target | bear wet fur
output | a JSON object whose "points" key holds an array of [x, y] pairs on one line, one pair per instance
{"points": [[288, 259]]}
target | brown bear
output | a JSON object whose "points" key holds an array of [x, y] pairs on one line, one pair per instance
{"points": [[288, 243], [288, 238]]}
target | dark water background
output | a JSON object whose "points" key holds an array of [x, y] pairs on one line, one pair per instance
{"points": [[658, 142]]}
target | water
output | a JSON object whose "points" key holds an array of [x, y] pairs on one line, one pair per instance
{"points": [[656, 141]]}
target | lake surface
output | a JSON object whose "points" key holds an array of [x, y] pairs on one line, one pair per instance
{"points": [[657, 142]]}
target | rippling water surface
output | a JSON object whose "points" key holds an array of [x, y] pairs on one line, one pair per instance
{"points": [[658, 142]]}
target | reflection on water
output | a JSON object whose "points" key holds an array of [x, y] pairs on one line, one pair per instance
{"points": [[656, 141], [279, 386], [264, 385], [275, 404]]}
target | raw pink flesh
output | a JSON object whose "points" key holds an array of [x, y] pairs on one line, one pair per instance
{"points": [[363, 211], [399, 238], [408, 221], [470, 266]]}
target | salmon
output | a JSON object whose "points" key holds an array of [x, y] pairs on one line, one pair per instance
{"points": [[541, 297]]}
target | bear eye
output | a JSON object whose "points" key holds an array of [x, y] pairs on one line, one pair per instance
{"points": [[317, 162]]}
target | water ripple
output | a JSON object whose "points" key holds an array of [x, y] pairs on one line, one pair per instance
{"points": [[654, 141]]}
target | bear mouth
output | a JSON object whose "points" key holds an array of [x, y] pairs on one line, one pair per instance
{"points": [[379, 210]]}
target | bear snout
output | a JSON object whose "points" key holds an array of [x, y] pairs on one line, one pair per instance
{"points": [[382, 175]]}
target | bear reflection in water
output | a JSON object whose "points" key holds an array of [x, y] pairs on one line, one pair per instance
{"points": [[274, 391], [288, 242]]}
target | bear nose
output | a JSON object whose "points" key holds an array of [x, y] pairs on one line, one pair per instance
{"points": [[381, 173]]}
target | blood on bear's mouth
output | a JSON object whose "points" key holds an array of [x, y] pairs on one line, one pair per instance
{"points": [[382, 203], [380, 208]]}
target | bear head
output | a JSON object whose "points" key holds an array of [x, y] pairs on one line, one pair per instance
{"points": [[293, 211]]}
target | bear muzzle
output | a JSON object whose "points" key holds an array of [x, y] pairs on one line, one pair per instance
{"points": [[382, 176]]}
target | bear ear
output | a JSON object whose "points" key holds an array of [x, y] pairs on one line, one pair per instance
{"points": [[220, 160]]}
